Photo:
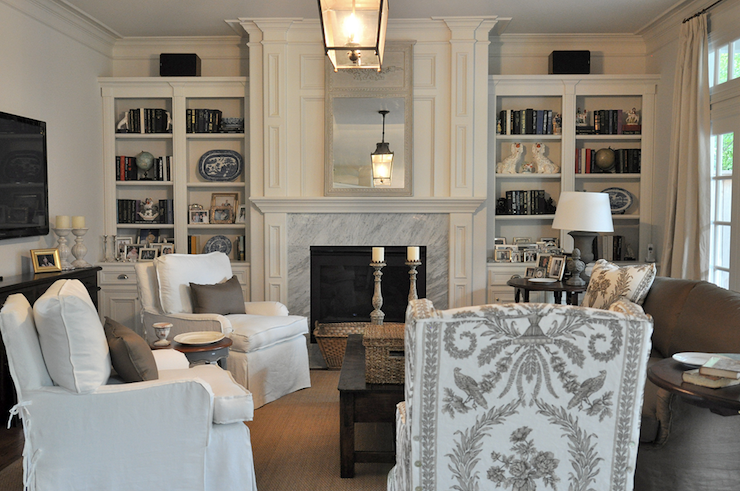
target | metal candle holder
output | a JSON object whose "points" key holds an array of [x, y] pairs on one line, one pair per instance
{"points": [[412, 278], [377, 315]]}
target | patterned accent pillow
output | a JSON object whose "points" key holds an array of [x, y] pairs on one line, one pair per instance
{"points": [[610, 282], [625, 306]]}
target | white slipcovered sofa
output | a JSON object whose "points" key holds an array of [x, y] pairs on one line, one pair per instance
{"points": [[85, 430], [270, 352]]}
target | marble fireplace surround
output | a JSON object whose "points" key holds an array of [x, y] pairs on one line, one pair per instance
{"points": [[443, 225]]}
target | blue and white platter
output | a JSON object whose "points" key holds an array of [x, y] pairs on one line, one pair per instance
{"points": [[619, 200], [218, 243], [220, 165]]}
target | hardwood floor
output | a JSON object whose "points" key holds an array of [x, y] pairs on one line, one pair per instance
{"points": [[11, 445]]}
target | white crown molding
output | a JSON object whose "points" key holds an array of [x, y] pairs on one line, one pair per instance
{"points": [[367, 205], [526, 45], [69, 21], [212, 47]]}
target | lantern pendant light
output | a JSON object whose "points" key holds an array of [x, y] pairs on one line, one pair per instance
{"points": [[382, 159]]}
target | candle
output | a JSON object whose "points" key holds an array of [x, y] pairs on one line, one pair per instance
{"points": [[78, 222], [378, 254], [412, 253], [62, 221]]}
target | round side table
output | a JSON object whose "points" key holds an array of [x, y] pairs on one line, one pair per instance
{"points": [[203, 353], [557, 287]]}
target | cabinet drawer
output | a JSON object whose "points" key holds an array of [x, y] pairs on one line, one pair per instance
{"points": [[117, 276]]}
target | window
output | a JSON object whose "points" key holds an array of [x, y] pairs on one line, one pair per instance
{"points": [[720, 235], [724, 63]]}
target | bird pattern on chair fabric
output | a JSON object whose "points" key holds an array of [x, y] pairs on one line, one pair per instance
{"points": [[524, 397]]}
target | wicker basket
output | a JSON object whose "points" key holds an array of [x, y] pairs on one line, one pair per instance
{"points": [[384, 356], [332, 339]]}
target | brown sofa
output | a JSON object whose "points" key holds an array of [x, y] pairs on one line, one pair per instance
{"points": [[684, 447]]}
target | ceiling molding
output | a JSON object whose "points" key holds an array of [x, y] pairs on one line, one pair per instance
{"points": [[536, 44], [367, 205]]}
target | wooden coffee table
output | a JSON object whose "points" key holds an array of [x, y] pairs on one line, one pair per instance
{"points": [[360, 402]]}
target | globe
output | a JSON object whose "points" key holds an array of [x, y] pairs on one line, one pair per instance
{"points": [[604, 158], [144, 161]]}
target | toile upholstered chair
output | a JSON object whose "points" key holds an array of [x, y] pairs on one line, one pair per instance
{"points": [[169, 427], [197, 292], [521, 396]]}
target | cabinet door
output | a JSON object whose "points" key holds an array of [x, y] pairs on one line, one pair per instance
{"points": [[122, 305]]}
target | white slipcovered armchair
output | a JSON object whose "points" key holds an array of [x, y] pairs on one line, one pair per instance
{"points": [[270, 351], [520, 396], [84, 431]]}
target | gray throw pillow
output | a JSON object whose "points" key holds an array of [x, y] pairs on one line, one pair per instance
{"points": [[222, 298], [130, 355]]}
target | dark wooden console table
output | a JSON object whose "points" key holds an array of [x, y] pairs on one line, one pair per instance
{"points": [[33, 286]]}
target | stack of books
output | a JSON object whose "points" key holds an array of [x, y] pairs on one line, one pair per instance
{"points": [[718, 371]]}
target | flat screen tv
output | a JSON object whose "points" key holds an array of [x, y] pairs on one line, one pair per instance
{"points": [[24, 187]]}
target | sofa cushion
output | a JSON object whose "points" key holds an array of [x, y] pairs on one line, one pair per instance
{"points": [[664, 302], [72, 338], [610, 282], [232, 403], [625, 306], [130, 355], [253, 332], [222, 298], [175, 272]]}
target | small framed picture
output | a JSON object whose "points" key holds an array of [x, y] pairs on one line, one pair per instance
{"points": [[147, 253], [529, 272], [148, 236], [540, 272], [167, 249], [522, 240], [157, 246], [225, 199], [557, 267], [516, 256], [241, 214], [120, 246], [543, 261], [222, 214], [502, 255], [530, 256], [45, 260], [131, 252], [549, 241], [499, 241], [198, 216]]}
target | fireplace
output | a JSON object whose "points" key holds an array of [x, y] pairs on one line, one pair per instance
{"points": [[342, 283]]}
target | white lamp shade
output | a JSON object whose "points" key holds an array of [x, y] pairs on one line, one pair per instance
{"points": [[583, 212]]}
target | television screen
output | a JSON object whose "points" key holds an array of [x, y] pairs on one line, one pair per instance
{"points": [[24, 208]]}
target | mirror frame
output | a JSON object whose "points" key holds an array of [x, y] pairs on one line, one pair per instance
{"points": [[393, 81]]}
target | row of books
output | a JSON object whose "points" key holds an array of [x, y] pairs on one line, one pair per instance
{"points": [[239, 248], [608, 122], [135, 211], [528, 202], [145, 120], [203, 121], [525, 122], [626, 161], [717, 371], [126, 169]]}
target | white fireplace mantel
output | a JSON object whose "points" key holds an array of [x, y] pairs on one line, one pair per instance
{"points": [[366, 205]]}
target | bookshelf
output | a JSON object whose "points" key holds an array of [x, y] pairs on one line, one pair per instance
{"points": [[612, 98]]}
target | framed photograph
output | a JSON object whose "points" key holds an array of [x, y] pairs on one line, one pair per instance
{"points": [[198, 216], [45, 260], [540, 273], [502, 255], [543, 261], [241, 214], [131, 252], [225, 199], [222, 214], [147, 253], [530, 256], [529, 272], [516, 256], [499, 241], [158, 247], [120, 246], [557, 267], [522, 240], [148, 236], [549, 241], [167, 249]]}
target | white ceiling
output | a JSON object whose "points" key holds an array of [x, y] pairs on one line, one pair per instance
{"points": [[207, 17]]}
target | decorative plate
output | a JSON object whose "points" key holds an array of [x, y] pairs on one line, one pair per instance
{"points": [[199, 337], [542, 280], [692, 359], [218, 243], [220, 165], [619, 200]]}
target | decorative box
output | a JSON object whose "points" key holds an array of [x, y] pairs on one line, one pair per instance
{"points": [[384, 353]]}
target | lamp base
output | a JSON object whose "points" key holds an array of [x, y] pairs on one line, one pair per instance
{"points": [[584, 241]]}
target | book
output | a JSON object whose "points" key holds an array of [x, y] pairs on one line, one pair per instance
{"points": [[720, 366], [694, 377]]}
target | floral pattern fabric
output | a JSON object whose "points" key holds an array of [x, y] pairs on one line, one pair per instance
{"points": [[521, 397], [610, 283]]}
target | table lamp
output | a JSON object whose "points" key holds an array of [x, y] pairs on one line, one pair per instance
{"points": [[585, 215]]}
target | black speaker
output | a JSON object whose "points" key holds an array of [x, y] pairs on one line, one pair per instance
{"points": [[570, 62], [179, 65]]}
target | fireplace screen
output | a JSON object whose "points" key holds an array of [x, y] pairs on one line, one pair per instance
{"points": [[342, 283]]}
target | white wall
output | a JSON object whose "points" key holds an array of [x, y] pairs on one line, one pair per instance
{"points": [[48, 74]]}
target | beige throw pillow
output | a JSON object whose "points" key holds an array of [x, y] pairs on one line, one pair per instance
{"points": [[610, 283], [130, 356], [222, 298]]}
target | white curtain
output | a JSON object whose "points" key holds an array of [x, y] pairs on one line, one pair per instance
{"points": [[686, 243]]}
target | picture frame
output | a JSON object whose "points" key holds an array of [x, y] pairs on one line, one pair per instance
{"points": [[529, 272], [131, 252], [530, 256], [222, 214], [241, 214], [557, 267], [167, 249], [540, 272], [543, 261], [158, 247], [501, 255], [522, 240], [499, 241], [148, 236], [225, 199], [45, 260], [516, 256], [550, 241], [120, 246], [147, 253], [199, 216]]}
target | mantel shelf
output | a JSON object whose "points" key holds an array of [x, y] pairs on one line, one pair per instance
{"points": [[322, 204]]}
